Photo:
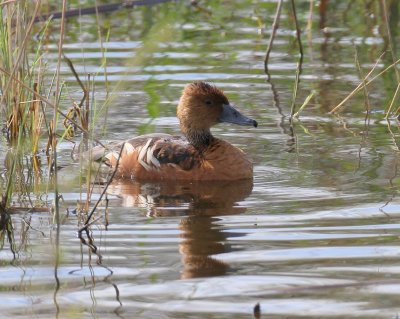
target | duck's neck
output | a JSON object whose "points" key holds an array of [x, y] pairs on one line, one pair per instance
{"points": [[200, 139]]}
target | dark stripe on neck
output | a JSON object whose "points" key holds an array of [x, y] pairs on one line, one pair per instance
{"points": [[200, 138]]}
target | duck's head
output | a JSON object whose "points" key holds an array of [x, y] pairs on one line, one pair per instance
{"points": [[203, 105]]}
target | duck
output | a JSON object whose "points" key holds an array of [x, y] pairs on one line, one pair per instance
{"points": [[195, 156]]}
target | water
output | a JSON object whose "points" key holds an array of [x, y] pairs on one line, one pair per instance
{"points": [[315, 234]]}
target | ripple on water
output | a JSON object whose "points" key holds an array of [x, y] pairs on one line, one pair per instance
{"points": [[315, 236]]}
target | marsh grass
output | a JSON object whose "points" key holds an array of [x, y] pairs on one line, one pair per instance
{"points": [[16, 28], [22, 114], [21, 80], [388, 21], [30, 111], [366, 81], [387, 26], [275, 26], [19, 109], [36, 118]]}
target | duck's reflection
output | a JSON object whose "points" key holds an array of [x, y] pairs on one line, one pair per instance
{"points": [[198, 204]]}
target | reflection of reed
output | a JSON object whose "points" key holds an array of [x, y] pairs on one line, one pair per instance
{"points": [[199, 203], [6, 231], [93, 249], [23, 178]]}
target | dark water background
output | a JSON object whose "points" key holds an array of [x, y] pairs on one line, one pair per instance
{"points": [[316, 235]]}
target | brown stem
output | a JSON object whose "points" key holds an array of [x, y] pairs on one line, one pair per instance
{"points": [[102, 193], [275, 25]]}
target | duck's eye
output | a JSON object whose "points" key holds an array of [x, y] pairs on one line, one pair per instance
{"points": [[208, 102]]}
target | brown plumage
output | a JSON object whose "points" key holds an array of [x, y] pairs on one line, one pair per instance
{"points": [[198, 155]]}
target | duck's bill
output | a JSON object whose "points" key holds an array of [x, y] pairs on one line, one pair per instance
{"points": [[231, 115]]}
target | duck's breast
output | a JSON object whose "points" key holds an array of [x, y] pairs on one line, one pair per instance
{"points": [[227, 162]]}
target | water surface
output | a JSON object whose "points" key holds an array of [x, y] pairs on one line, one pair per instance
{"points": [[314, 235]]}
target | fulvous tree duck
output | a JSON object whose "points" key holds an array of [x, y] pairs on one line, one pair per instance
{"points": [[196, 156]]}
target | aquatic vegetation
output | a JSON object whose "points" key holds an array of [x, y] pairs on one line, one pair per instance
{"points": [[21, 80], [31, 112]]}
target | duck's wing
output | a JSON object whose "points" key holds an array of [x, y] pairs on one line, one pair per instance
{"points": [[151, 151]]}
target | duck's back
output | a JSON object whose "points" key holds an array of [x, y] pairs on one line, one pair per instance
{"points": [[167, 157]]}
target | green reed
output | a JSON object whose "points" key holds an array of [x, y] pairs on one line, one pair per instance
{"points": [[19, 109], [17, 103], [27, 114]]}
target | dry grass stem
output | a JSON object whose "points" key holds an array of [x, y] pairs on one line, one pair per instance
{"points": [[296, 85], [47, 102], [275, 26], [298, 31], [389, 110], [22, 51], [103, 192], [364, 82], [306, 101], [366, 94], [52, 136], [299, 62], [390, 42], [7, 2]]}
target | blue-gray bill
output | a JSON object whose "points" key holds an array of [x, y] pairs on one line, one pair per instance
{"points": [[231, 115]]}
